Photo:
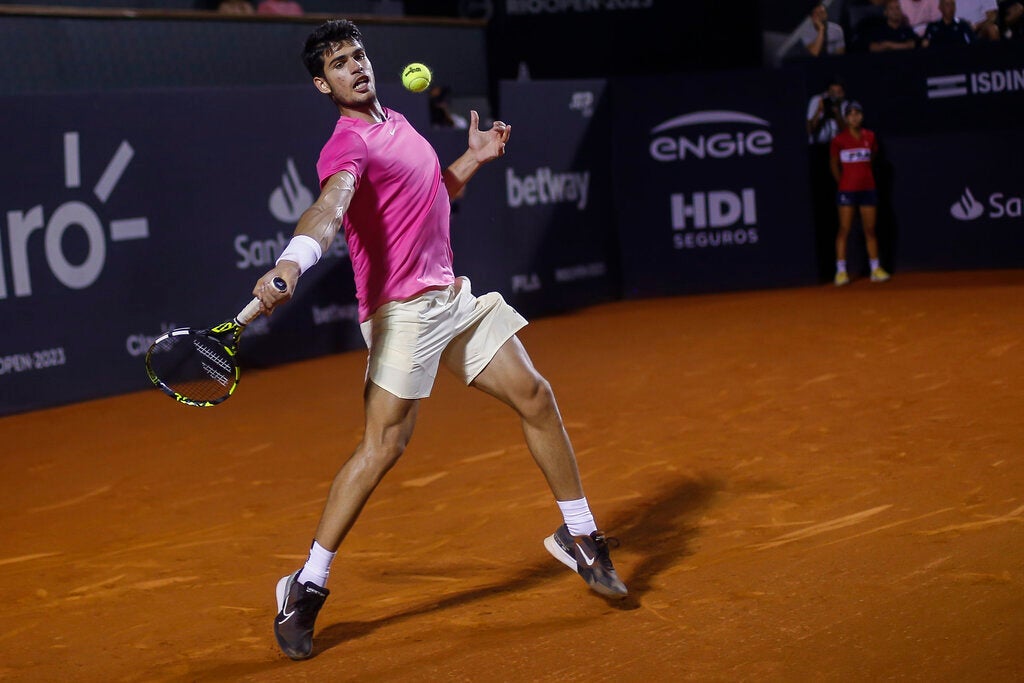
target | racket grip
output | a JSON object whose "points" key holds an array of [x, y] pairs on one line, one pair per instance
{"points": [[252, 309]]}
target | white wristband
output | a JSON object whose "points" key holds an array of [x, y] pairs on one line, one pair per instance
{"points": [[304, 250]]}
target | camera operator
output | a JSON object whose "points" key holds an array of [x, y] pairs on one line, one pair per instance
{"points": [[825, 113]]}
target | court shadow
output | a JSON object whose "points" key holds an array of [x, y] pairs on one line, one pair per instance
{"points": [[660, 530]]}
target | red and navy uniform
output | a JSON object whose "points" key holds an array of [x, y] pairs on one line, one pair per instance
{"points": [[856, 178]]}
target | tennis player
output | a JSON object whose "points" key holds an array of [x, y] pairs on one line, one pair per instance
{"points": [[382, 182], [852, 152]]}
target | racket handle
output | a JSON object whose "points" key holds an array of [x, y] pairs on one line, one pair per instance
{"points": [[252, 309]]}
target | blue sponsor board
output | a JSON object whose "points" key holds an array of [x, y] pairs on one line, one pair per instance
{"points": [[711, 186], [959, 200], [125, 214], [559, 233], [922, 92]]}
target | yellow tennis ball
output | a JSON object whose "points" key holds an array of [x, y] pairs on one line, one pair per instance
{"points": [[416, 77]]}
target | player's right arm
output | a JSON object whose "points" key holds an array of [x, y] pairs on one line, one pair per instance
{"points": [[314, 233]]}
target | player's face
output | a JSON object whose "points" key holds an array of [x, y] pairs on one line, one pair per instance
{"points": [[348, 76], [854, 118], [948, 9]]}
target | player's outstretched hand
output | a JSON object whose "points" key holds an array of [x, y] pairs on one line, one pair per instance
{"points": [[487, 145]]}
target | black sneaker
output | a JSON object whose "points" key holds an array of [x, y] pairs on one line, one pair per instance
{"points": [[297, 604], [588, 556]]}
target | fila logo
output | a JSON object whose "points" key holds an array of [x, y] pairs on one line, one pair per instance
{"points": [[856, 155]]}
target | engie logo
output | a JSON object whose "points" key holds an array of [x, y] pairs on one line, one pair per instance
{"points": [[732, 218], [73, 273], [737, 135], [967, 208]]}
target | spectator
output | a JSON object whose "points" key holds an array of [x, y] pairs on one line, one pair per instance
{"points": [[920, 13], [895, 33], [822, 36], [852, 152], [236, 7], [441, 115], [1011, 27], [863, 19], [825, 113], [287, 8], [949, 31], [982, 15]]}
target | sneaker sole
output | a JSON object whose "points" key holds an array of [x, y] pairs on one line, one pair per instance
{"points": [[601, 589], [282, 592], [557, 552]]}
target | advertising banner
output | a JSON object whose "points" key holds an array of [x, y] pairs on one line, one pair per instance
{"points": [[559, 235], [711, 185], [959, 200], [125, 214], [931, 91]]}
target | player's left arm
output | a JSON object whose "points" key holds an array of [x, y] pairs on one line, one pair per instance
{"points": [[484, 146]]}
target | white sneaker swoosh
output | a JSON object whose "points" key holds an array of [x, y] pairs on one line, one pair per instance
{"points": [[589, 560], [287, 616]]}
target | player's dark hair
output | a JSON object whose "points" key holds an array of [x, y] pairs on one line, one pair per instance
{"points": [[326, 37]]}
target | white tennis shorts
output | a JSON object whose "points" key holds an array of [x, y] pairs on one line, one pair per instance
{"points": [[409, 339]]}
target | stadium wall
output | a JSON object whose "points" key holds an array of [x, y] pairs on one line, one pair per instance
{"points": [[129, 210]]}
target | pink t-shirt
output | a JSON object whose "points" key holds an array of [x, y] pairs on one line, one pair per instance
{"points": [[397, 224]]}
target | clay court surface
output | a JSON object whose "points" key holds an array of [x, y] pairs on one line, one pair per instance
{"points": [[808, 484]]}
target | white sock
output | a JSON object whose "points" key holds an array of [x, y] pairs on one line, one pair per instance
{"points": [[841, 266], [578, 517], [318, 566], [874, 264]]}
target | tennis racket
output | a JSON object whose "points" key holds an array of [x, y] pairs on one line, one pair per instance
{"points": [[200, 367]]}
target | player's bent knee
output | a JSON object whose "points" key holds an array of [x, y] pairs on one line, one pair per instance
{"points": [[537, 399], [379, 455]]}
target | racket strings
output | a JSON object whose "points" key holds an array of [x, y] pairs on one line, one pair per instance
{"points": [[194, 367], [214, 353]]}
